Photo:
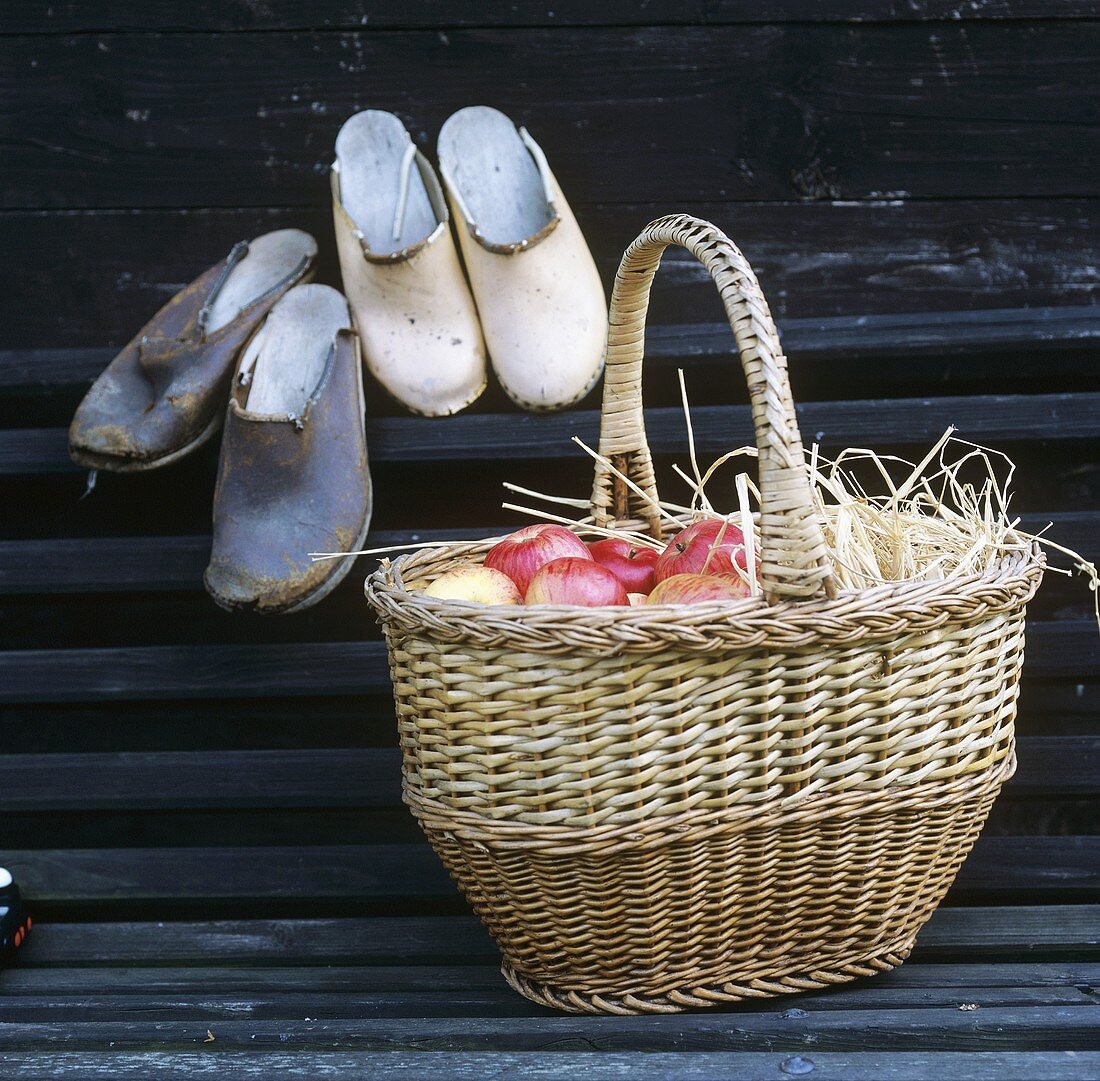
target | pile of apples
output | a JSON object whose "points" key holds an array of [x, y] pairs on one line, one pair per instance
{"points": [[547, 564]]}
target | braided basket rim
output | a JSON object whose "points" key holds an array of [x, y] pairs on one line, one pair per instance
{"points": [[879, 613]]}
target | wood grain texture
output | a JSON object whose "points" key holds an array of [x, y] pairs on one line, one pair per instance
{"points": [[133, 15], [1026, 868], [180, 1005], [814, 259], [475, 437], [1054, 648], [914, 1030], [255, 1065], [1054, 333], [198, 119], [989, 934], [394, 985], [360, 777], [118, 564], [167, 564]]}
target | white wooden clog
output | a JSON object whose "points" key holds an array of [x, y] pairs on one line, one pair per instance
{"points": [[542, 305], [416, 319]]}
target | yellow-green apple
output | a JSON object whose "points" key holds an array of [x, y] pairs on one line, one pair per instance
{"points": [[637, 599], [522, 554], [575, 581], [699, 547], [482, 585], [632, 564], [696, 588]]}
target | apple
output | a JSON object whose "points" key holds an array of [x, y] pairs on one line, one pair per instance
{"points": [[687, 552], [574, 580], [637, 599], [482, 585], [632, 564], [522, 554], [696, 588]]}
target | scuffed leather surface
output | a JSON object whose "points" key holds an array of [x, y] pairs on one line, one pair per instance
{"points": [[283, 493], [167, 385]]}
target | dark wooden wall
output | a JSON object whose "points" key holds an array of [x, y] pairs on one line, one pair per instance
{"points": [[916, 182], [871, 156]]}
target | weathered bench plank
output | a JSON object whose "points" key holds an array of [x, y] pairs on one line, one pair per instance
{"points": [[998, 1028], [255, 1065], [485, 437], [180, 1004], [1032, 867], [1054, 648], [886, 256], [354, 777], [147, 564], [941, 983], [998, 933], [965, 335]]}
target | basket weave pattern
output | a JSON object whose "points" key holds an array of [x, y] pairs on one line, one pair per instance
{"points": [[668, 806]]}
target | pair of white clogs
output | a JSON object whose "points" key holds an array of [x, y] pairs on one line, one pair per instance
{"points": [[533, 302]]}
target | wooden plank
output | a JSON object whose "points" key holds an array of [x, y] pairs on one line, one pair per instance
{"points": [[1048, 708], [344, 777], [963, 334], [501, 1001], [912, 984], [1067, 648], [479, 437], [994, 1029], [961, 122], [815, 259], [388, 940], [155, 564], [129, 16], [1062, 764], [252, 1065], [1032, 867], [143, 564], [353, 777], [1003, 932]]}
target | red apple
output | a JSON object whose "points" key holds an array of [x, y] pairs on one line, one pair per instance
{"points": [[575, 581], [688, 552], [522, 554], [631, 564], [696, 588]]}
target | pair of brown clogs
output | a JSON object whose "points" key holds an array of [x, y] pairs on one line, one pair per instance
{"points": [[293, 476]]}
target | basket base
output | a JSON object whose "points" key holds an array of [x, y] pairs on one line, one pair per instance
{"points": [[694, 996]]}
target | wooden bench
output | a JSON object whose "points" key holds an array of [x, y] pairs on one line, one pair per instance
{"points": [[204, 809], [205, 812]]}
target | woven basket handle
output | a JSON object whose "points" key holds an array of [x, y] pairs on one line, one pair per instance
{"points": [[794, 560]]}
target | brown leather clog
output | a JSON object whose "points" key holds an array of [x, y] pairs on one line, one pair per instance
{"points": [[293, 477], [164, 395]]}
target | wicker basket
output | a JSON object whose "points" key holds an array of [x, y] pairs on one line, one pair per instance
{"points": [[663, 807]]}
